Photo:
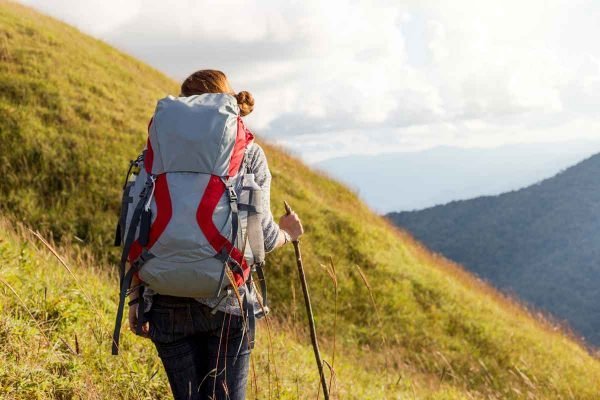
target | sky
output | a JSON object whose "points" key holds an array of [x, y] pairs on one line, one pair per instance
{"points": [[335, 78]]}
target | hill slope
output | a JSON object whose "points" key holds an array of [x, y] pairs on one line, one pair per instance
{"points": [[540, 242], [55, 335], [68, 125]]}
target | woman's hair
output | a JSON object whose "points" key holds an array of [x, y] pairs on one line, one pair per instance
{"points": [[213, 81]]}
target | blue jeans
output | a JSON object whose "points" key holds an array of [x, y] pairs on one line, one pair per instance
{"points": [[205, 356]]}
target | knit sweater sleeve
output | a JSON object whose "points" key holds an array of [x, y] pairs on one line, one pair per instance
{"points": [[262, 176]]}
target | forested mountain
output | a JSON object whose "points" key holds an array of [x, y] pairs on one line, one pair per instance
{"points": [[541, 242]]}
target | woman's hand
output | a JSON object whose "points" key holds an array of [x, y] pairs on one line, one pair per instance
{"points": [[292, 225], [133, 318]]}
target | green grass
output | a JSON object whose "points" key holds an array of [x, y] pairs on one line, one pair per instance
{"points": [[73, 111], [55, 336]]}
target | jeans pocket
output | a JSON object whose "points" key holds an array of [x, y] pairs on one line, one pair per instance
{"points": [[161, 325]]}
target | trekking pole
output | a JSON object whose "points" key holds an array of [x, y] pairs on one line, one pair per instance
{"points": [[309, 312]]}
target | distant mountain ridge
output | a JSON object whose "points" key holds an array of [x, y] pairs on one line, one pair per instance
{"points": [[417, 180], [541, 242]]}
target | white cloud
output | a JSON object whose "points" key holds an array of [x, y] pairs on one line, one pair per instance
{"points": [[94, 17], [338, 77]]}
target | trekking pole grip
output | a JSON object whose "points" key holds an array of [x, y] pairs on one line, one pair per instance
{"points": [[288, 211]]}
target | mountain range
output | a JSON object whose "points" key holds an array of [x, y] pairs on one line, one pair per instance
{"points": [[416, 180], [541, 243]]}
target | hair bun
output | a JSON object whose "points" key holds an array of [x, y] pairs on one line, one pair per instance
{"points": [[245, 102]]}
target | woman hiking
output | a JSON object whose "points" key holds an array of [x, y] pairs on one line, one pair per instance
{"points": [[204, 342]]}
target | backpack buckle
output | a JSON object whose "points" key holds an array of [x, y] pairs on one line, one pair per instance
{"points": [[232, 194]]}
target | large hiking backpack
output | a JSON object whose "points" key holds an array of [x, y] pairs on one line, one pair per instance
{"points": [[190, 204]]}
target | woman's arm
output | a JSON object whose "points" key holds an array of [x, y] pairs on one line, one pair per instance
{"points": [[289, 227]]}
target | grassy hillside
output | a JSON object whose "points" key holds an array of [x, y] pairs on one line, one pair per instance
{"points": [[74, 110], [540, 242], [420, 328], [56, 327]]}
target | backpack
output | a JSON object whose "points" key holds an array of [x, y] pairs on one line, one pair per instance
{"points": [[190, 204]]}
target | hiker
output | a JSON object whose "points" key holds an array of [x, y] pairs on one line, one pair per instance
{"points": [[204, 342]]}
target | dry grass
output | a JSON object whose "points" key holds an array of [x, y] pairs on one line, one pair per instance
{"points": [[80, 342]]}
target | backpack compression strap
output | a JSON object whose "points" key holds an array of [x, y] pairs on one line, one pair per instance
{"points": [[125, 278], [126, 200], [135, 267]]}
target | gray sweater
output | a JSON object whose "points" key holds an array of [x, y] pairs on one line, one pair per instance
{"points": [[257, 161]]}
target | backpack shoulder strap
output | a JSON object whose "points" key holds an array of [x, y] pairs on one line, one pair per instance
{"points": [[245, 167]]}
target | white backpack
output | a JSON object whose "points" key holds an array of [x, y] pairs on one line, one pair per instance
{"points": [[187, 214]]}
